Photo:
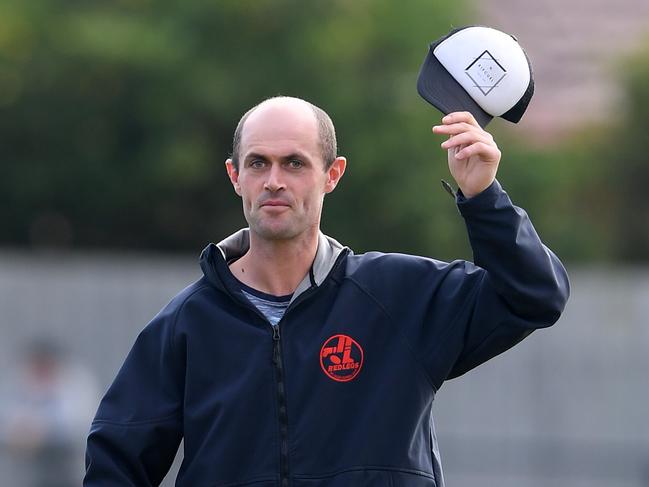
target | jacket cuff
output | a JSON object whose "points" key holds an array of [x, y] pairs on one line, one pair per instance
{"points": [[484, 200]]}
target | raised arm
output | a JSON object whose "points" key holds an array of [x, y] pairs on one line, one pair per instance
{"points": [[519, 284]]}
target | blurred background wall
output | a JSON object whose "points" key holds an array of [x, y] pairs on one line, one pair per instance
{"points": [[566, 407], [115, 119]]}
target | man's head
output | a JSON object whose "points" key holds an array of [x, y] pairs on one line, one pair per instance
{"points": [[284, 162], [326, 130]]}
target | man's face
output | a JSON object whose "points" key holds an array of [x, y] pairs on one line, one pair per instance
{"points": [[281, 176]]}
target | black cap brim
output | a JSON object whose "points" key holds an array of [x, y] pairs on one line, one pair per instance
{"points": [[439, 88]]}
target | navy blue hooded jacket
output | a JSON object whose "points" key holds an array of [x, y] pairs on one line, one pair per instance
{"points": [[340, 394]]}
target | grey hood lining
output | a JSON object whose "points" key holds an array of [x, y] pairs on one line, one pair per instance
{"points": [[328, 251]]}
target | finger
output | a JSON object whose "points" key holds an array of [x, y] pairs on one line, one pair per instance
{"points": [[456, 117], [487, 152], [458, 128], [457, 148], [467, 138]]}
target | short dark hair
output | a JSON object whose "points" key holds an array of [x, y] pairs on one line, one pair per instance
{"points": [[326, 132]]}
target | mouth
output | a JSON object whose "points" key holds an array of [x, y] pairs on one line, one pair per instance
{"points": [[275, 203]]}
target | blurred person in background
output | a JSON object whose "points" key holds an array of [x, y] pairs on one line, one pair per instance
{"points": [[295, 362], [46, 406]]}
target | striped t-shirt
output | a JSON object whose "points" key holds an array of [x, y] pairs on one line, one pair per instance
{"points": [[271, 306]]}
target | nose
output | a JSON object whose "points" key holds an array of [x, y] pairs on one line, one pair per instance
{"points": [[274, 180]]}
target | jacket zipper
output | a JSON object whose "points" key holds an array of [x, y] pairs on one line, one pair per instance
{"points": [[279, 374], [281, 402], [281, 393]]}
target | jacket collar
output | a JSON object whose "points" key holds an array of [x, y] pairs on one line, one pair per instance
{"points": [[238, 243]]}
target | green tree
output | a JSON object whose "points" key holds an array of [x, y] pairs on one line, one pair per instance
{"points": [[626, 163], [117, 116], [587, 195]]}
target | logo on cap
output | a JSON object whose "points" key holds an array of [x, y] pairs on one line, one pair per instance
{"points": [[341, 358], [485, 72]]}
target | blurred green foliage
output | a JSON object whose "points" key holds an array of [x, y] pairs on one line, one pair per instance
{"points": [[586, 195], [116, 117], [626, 166]]}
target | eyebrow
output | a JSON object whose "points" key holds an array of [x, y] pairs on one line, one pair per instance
{"points": [[293, 155]]}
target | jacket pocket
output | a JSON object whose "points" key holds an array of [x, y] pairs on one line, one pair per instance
{"points": [[367, 477]]}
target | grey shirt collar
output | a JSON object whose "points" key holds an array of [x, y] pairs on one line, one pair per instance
{"points": [[328, 251]]}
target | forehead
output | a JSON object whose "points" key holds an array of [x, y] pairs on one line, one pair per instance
{"points": [[279, 129]]}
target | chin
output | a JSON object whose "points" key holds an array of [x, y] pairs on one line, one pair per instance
{"points": [[269, 232]]}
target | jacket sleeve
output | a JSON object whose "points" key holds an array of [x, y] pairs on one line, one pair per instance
{"points": [[520, 284], [138, 426]]}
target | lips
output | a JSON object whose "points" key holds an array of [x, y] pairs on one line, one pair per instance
{"points": [[275, 203]]}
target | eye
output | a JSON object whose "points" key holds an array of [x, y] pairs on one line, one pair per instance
{"points": [[295, 163], [256, 163]]}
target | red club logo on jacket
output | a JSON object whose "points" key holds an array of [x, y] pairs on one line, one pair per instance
{"points": [[341, 358]]}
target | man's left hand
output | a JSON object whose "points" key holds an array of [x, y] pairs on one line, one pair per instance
{"points": [[473, 156]]}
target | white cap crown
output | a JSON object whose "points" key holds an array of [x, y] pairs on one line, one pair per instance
{"points": [[490, 65]]}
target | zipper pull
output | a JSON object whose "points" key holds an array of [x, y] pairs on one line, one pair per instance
{"points": [[276, 346]]}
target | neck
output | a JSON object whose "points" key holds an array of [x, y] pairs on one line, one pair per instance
{"points": [[276, 266]]}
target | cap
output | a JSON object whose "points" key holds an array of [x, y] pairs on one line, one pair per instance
{"points": [[480, 70]]}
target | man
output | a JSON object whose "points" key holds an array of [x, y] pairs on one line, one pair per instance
{"points": [[294, 362]]}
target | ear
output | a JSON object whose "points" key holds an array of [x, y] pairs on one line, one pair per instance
{"points": [[233, 174], [334, 173]]}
